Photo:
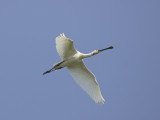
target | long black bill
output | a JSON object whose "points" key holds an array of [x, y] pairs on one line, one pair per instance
{"points": [[48, 71], [111, 47]]}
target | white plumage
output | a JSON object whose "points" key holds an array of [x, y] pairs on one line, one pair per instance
{"points": [[65, 47], [72, 59], [87, 81]]}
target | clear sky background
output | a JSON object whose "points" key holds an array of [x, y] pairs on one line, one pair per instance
{"points": [[128, 75]]}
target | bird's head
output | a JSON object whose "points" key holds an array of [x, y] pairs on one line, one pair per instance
{"points": [[95, 52]]}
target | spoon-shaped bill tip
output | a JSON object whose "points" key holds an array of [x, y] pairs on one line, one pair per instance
{"points": [[111, 47]]}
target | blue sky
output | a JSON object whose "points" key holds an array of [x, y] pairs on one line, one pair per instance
{"points": [[129, 75]]}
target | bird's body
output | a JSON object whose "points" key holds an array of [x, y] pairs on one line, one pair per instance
{"points": [[73, 60], [68, 61]]}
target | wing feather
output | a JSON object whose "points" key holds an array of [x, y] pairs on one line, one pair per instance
{"points": [[86, 80], [65, 47]]}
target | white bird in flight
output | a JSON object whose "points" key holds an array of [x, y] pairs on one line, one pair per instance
{"points": [[73, 60]]}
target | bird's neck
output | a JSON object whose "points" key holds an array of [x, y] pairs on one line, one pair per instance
{"points": [[88, 55]]}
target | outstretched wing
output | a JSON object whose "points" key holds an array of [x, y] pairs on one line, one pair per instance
{"points": [[64, 46], [86, 80]]}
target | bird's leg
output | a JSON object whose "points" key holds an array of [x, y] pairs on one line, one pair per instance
{"points": [[48, 71], [56, 67]]}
